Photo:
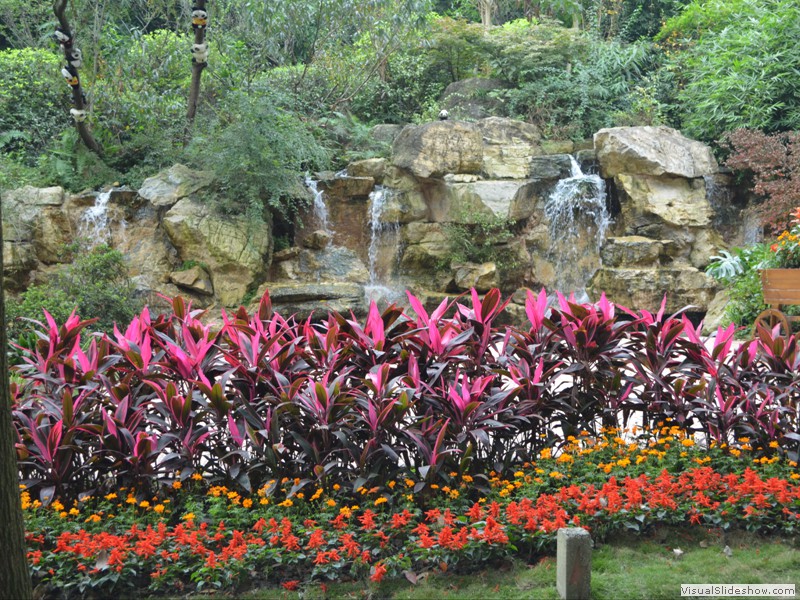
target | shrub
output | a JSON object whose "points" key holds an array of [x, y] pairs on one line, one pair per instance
{"points": [[258, 153], [739, 71], [96, 285], [422, 396], [34, 101], [773, 161]]}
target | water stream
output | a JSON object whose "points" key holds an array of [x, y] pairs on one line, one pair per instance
{"points": [[579, 219], [95, 222], [382, 235], [320, 208]]}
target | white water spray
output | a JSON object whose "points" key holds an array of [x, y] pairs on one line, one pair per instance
{"points": [[94, 224], [377, 289], [320, 208], [579, 220]]}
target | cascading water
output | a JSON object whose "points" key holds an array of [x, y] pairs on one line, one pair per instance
{"points": [[381, 235], [578, 219], [94, 225], [320, 208]]}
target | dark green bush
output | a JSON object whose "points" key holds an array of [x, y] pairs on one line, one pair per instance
{"points": [[34, 101], [95, 285]]}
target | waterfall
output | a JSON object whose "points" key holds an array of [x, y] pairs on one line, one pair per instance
{"points": [[320, 208], [94, 223], [377, 287], [578, 218]]}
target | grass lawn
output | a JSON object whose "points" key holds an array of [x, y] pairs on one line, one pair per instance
{"points": [[625, 567]]}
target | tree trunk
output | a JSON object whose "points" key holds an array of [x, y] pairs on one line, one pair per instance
{"points": [[15, 579], [65, 37], [199, 58], [486, 8]]}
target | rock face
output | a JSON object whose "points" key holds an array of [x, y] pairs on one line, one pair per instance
{"points": [[652, 151], [663, 234], [401, 221], [173, 184], [438, 148], [236, 252]]}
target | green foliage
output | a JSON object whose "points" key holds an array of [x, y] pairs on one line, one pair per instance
{"points": [[257, 153], [34, 100], [739, 271], [350, 139], [68, 163], [478, 237], [570, 85], [740, 65], [95, 284]]}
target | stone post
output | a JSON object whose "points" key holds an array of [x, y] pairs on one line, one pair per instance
{"points": [[573, 563]]}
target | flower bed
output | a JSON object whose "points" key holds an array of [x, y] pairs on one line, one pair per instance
{"points": [[401, 396], [198, 535]]}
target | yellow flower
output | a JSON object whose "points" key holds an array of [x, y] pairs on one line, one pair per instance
{"points": [[794, 476], [688, 442], [74, 512], [331, 502], [197, 477], [345, 511], [380, 500], [545, 454], [94, 519], [467, 478], [409, 483], [176, 485], [286, 503], [247, 503], [556, 475], [336, 487], [188, 517], [111, 496], [454, 494], [773, 444], [391, 484], [62, 514], [519, 474], [300, 495], [264, 501], [58, 506], [159, 508], [565, 458]]}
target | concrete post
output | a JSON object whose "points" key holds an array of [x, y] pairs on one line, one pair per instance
{"points": [[573, 563]]}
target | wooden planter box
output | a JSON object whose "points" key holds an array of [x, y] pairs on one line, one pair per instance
{"points": [[781, 286]]}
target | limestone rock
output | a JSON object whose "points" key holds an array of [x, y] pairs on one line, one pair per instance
{"points": [[426, 245], [386, 133], [529, 199], [344, 186], [470, 200], [553, 167], [404, 207], [435, 149], [170, 185], [333, 263], [652, 151], [194, 279], [470, 98], [508, 146], [369, 167], [32, 196], [482, 277], [707, 243], [317, 240], [235, 251], [558, 147], [675, 201], [715, 316], [630, 251], [301, 299], [644, 288]]}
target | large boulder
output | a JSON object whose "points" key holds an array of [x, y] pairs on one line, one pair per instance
{"points": [[333, 263], [652, 151], [635, 250], [303, 299], [674, 201], [173, 184], [482, 277], [508, 146], [236, 251], [438, 148], [644, 288]]}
